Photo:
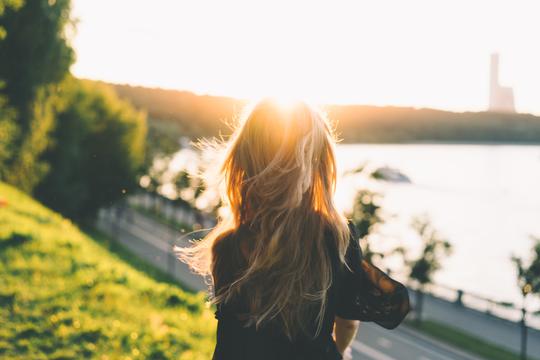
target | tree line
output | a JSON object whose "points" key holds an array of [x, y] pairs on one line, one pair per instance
{"points": [[198, 116]]}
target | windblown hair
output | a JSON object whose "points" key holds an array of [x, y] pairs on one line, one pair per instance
{"points": [[279, 176]]}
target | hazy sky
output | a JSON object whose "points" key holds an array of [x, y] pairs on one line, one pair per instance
{"points": [[429, 53]]}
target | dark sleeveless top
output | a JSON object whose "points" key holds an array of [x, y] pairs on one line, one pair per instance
{"points": [[236, 342]]}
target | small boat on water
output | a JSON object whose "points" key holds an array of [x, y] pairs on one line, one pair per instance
{"points": [[387, 173]]}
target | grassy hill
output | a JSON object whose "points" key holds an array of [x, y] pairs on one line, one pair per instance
{"points": [[65, 295], [197, 115]]}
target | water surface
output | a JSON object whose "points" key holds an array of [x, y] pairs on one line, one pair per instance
{"points": [[485, 199]]}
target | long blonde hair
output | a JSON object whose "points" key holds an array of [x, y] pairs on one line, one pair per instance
{"points": [[279, 177]]}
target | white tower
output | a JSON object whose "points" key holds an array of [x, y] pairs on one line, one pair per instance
{"points": [[501, 98]]}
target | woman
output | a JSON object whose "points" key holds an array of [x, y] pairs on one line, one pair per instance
{"points": [[283, 260]]}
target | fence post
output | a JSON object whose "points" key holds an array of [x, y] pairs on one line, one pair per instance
{"points": [[115, 218], [171, 264], [419, 304], [459, 299], [523, 334]]}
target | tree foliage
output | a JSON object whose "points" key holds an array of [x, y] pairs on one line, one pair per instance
{"points": [[528, 275], [8, 132], [26, 167], [365, 216], [8, 126], [434, 249], [8, 4], [365, 212], [97, 154], [35, 57], [36, 51]]}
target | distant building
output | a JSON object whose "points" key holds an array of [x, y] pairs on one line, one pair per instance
{"points": [[501, 98]]}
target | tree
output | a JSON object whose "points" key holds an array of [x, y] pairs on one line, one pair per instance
{"points": [[188, 186], [423, 267], [8, 126], [36, 51], [365, 212], [35, 57], [5, 4], [8, 132], [25, 168], [365, 216], [98, 151], [528, 278]]}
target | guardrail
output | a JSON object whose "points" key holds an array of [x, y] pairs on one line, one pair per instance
{"points": [[496, 313], [178, 212], [501, 309]]}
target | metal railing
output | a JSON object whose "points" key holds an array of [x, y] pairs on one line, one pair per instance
{"points": [[500, 309]]}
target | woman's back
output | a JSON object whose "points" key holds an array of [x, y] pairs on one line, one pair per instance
{"points": [[234, 341]]}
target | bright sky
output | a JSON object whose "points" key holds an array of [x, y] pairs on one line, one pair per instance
{"points": [[422, 53]]}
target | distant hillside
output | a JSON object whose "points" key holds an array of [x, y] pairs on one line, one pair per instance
{"points": [[398, 124], [64, 295], [197, 116]]}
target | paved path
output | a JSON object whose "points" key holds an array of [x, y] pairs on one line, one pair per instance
{"points": [[153, 242], [504, 333], [374, 342]]}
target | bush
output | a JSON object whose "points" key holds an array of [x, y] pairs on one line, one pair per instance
{"points": [[97, 152]]}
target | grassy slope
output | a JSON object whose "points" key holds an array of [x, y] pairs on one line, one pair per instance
{"points": [[65, 296]]}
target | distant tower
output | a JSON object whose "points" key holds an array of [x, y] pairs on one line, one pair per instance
{"points": [[501, 98]]}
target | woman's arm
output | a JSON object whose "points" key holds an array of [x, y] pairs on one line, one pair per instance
{"points": [[344, 332]]}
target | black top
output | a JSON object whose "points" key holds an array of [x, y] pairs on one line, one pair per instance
{"points": [[387, 305]]}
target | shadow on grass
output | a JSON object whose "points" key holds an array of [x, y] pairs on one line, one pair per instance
{"points": [[15, 239], [28, 214]]}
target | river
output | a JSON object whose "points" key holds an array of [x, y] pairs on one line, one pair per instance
{"points": [[485, 199]]}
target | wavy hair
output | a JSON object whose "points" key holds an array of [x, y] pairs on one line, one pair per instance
{"points": [[278, 178]]}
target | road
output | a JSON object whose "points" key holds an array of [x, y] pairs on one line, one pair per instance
{"points": [[374, 342], [154, 241]]}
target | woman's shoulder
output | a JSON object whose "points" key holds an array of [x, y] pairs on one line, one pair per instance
{"points": [[234, 240], [225, 258], [223, 240], [353, 254], [354, 238]]}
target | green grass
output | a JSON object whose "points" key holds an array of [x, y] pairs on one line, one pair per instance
{"points": [[463, 341], [67, 295]]}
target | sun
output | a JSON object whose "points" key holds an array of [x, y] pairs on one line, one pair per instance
{"points": [[286, 103]]}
